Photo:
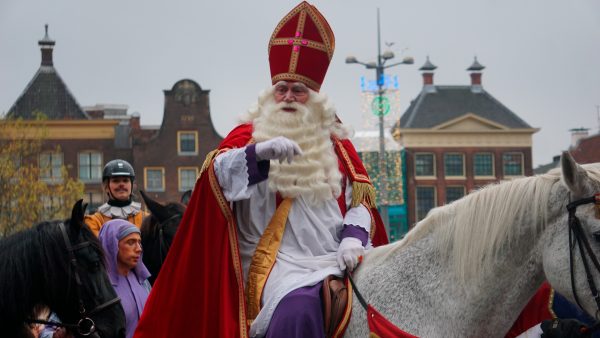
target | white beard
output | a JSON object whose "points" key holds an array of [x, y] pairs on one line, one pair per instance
{"points": [[315, 174]]}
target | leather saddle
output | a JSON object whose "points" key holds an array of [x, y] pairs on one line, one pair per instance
{"points": [[335, 302]]}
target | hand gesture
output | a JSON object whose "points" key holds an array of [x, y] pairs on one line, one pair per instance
{"points": [[278, 148]]}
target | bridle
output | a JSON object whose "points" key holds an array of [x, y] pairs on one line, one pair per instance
{"points": [[162, 245], [577, 235], [85, 326]]}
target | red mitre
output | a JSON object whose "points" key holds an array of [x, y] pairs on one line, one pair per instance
{"points": [[301, 47]]}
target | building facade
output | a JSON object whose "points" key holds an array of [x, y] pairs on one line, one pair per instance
{"points": [[457, 139], [166, 158]]}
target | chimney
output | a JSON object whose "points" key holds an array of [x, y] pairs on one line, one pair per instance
{"points": [[475, 70], [427, 70], [47, 46], [134, 121], [578, 134], [475, 79]]}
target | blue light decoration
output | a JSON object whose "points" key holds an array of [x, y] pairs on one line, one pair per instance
{"points": [[389, 82]]}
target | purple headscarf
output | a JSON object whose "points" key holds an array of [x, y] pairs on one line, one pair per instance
{"points": [[133, 288], [110, 235]]}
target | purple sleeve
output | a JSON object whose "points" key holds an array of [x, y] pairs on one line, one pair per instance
{"points": [[258, 171], [351, 230]]}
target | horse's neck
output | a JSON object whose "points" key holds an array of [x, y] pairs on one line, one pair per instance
{"points": [[417, 281]]}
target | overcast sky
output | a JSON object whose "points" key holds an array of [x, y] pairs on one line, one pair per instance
{"points": [[542, 57]]}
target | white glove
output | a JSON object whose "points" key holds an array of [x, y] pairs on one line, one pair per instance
{"points": [[348, 253], [278, 148]]}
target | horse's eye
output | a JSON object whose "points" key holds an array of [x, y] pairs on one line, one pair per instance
{"points": [[596, 236]]}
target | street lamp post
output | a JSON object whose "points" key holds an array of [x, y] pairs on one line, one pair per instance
{"points": [[379, 67]]}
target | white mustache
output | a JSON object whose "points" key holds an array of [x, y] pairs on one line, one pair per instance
{"points": [[284, 105]]}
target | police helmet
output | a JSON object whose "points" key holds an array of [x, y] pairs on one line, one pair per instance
{"points": [[116, 168]]}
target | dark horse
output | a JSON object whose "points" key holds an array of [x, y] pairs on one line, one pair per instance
{"points": [[158, 231], [58, 265]]}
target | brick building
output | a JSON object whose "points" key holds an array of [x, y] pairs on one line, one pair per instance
{"points": [[584, 148], [166, 158], [457, 139]]}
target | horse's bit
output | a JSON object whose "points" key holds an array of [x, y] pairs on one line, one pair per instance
{"points": [[85, 326], [577, 234]]}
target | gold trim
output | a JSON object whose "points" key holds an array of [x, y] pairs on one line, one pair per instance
{"points": [[373, 224], [296, 77], [296, 53], [320, 22], [264, 257], [362, 192], [346, 157], [550, 303], [298, 42], [318, 19], [233, 243], [207, 161]]}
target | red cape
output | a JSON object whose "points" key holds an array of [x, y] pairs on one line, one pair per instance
{"points": [[200, 290]]}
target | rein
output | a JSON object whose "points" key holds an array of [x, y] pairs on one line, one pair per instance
{"points": [[577, 235], [162, 245], [85, 326]]}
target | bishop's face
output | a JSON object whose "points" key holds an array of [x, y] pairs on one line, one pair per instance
{"points": [[290, 92]]}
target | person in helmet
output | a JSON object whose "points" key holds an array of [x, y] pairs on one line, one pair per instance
{"points": [[117, 179]]}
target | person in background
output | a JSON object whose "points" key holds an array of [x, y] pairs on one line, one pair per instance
{"points": [[122, 245], [117, 180]]}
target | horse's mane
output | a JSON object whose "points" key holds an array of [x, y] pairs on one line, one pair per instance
{"points": [[480, 225], [34, 266]]}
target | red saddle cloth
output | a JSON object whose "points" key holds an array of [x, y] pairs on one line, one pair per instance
{"points": [[383, 328]]}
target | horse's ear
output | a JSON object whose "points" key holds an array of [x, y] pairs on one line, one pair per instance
{"points": [[77, 213], [573, 175], [157, 209]]}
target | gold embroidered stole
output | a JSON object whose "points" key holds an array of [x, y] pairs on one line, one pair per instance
{"points": [[264, 258]]}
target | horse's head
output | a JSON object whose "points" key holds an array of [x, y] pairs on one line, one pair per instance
{"points": [[572, 244], [90, 298], [158, 231]]}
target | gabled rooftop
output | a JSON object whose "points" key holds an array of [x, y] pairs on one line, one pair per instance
{"points": [[47, 93], [436, 104]]}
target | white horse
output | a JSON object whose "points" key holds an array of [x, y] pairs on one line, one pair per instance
{"points": [[469, 267]]}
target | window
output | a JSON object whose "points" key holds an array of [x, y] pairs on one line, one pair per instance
{"points": [[90, 166], [51, 206], [454, 193], [424, 164], [187, 178], [425, 201], [50, 167], [483, 164], [93, 199], [454, 164], [512, 164], [154, 179], [187, 142]]}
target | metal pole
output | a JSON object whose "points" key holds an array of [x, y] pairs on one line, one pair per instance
{"points": [[383, 203]]}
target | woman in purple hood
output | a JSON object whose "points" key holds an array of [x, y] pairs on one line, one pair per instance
{"points": [[123, 248]]}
